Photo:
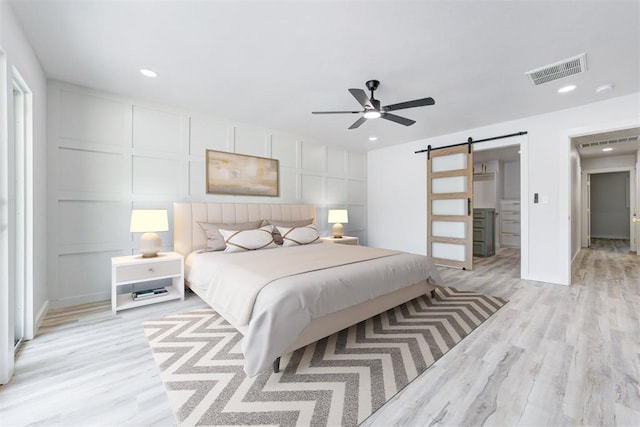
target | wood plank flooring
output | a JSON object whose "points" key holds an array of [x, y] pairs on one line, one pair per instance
{"points": [[554, 355]]}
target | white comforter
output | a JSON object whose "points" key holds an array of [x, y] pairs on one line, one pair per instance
{"points": [[284, 306]]}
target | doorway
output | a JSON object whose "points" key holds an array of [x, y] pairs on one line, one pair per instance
{"points": [[609, 210], [606, 204], [497, 193]]}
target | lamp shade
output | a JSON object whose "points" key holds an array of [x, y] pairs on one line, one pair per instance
{"points": [[149, 220], [338, 216]]}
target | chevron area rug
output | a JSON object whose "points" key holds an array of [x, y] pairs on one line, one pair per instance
{"points": [[339, 380]]}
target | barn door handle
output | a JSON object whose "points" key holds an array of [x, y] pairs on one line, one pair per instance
{"points": [[469, 206]]}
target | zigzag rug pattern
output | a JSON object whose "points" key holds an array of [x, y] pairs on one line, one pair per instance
{"points": [[339, 380]]}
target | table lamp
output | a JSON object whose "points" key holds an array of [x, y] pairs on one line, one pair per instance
{"points": [[148, 221], [337, 217]]}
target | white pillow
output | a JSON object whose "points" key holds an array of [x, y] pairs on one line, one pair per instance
{"points": [[298, 235], [248, 240]]}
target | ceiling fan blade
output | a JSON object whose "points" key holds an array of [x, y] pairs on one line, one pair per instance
{"points": [[361, 97], [398, 119], [409, 104], [336, 112], [357, 123]]}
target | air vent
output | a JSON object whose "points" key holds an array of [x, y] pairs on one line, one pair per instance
{"points": [[609, 142], [559, 70]]}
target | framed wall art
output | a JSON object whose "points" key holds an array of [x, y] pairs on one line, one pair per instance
{"points": [[241, 175]]}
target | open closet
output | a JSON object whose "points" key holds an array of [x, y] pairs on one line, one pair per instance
{"points": [[496, 200]]}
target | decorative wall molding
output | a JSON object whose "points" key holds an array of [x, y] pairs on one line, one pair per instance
{"points": [[109, 154]]}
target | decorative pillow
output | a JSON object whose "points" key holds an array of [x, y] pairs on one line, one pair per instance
{"points": [[277, 237], [215, 241], [248, 240], [299, 235]]}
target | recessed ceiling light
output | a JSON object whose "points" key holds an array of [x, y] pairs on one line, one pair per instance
{"points": [[604, 88], [148, 73], [566, 89], [373, 138], [607, 149]]}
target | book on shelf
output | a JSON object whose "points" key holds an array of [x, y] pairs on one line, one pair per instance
{"points": [[148, 293]]}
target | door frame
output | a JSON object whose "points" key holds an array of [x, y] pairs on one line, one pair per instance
{"points": [[26, 174], [6, 312], [7, 210], [567, 193]]}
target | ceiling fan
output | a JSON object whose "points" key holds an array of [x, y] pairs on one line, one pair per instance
{"points": [[373, 110]]}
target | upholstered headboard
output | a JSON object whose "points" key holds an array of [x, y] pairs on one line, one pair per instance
{"points": [[188, 236]]}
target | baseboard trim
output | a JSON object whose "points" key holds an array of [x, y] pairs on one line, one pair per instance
{"points": [[575, 255], [40, 317]]}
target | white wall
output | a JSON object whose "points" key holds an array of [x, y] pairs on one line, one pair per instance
{"points": [[485, 177], [15, 52], [484, 191], [109, 154], [511, 177], [608, 162], [397, 187]]}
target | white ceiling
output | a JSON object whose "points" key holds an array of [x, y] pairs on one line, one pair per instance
{"points": [[271, 63]]}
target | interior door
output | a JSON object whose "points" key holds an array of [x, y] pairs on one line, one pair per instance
{"points": [[450, 206]]}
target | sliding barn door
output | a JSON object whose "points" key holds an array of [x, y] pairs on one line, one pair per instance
{"points": [[450, 206]]}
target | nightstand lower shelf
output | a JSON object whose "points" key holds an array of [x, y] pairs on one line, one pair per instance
{"points": [[124, 300]]}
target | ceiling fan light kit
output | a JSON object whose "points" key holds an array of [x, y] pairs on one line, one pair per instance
{"points": [[372, 114], [373, 110]]}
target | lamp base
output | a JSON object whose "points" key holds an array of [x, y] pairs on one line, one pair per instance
{"points": [[337, 231], [149, 245]]}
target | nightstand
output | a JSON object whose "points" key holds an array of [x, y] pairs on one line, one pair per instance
{"points": [[344, 240], [129, 270]]}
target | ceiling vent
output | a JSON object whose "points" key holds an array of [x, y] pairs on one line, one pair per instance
{"points": [[559, 70], [609, 142]]}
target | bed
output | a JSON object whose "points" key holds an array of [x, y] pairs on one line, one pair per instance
{"points": [[285, 298]]}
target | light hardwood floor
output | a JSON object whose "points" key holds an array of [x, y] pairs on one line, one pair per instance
{"points": [[554, 355]]}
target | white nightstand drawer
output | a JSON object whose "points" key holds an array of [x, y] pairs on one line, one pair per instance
{"points": [[151, 270]]}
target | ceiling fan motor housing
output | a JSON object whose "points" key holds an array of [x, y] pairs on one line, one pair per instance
{"points": [[372, 85]]}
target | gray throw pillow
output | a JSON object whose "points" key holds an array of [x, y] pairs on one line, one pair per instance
{"points": [[215, 241], [277, 237]]}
